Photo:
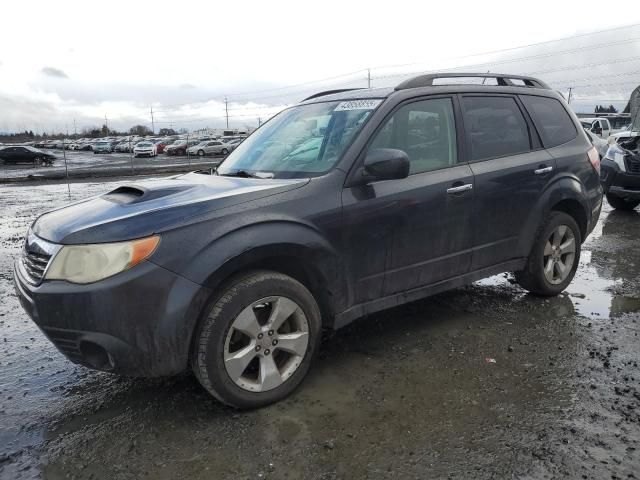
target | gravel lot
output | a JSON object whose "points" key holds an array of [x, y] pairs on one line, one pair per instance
{"points": [[90, 164], [481, 382]]}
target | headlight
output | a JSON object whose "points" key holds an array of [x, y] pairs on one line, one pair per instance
{"points": [[616, 154], [90, 263]]}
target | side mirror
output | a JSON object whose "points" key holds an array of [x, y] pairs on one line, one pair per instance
{"points": [[386, 164]]}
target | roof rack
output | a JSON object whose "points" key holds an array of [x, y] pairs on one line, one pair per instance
{"points": [[330, 92], [504, 80]]}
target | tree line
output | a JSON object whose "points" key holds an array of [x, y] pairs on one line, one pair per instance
{"points": [[90, 132]]}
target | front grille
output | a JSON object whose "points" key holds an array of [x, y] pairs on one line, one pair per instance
{"points": [[35, 258], [35, 264], [633, 164]]}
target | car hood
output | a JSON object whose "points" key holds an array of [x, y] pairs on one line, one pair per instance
{"points": [[138, 210]]}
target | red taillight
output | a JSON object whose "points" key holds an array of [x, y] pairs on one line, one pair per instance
{"points": [[594, 159]]}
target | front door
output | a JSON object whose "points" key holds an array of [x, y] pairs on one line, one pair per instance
{"points": [[425, 218]]}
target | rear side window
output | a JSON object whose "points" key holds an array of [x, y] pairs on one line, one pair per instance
{"points": [[551, 119], [495, 127]]}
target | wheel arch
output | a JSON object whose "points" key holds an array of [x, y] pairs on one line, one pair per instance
{"points": [[287, 247], [566, 195]]}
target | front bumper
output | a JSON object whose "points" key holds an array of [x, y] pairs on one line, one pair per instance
{"points": [[138, 322], [616, 182]]}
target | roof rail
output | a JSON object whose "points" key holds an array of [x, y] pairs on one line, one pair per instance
{"points": [[504, 80], [330, 92]]}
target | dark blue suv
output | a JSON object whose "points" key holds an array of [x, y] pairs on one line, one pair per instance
{"points": [[349, 203]]}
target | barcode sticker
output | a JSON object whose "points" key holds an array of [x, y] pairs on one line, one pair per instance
{"points": [[357, 105]]}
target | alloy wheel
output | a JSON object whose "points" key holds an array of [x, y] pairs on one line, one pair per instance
{"points": [[266, 344], [559, 254]]}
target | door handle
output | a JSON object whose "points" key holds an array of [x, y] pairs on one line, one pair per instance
{"points": [[460, 189], [542, 171]]}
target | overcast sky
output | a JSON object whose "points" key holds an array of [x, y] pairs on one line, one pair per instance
{"points": [[66, 60]]}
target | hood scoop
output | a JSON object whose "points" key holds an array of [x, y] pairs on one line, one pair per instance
{"points": [[128, 194]]}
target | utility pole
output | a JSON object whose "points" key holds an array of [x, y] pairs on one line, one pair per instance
{"points": [[226, 110], [569, 98], [259, 121], [368, 78], [153, 125], [75, 132], [106, 123]]}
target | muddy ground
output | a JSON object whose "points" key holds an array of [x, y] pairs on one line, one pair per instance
{"points": [[481, 382]]}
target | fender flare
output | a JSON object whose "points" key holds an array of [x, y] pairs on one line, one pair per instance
{"points": [[254, 244], [561, 189]]}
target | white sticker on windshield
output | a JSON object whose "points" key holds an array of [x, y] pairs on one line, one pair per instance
{"points": [[358, 105]]}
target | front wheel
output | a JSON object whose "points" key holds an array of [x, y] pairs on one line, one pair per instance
{"points": [[225, 151], [621, 203], [201, 153], [257, 341], [554, 258]]}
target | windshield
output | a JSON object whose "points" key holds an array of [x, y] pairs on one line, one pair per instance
{"points": [[144, 144], [302, 141]]}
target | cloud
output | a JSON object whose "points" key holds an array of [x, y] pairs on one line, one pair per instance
{"points": [[187, 86], [53, 72]]}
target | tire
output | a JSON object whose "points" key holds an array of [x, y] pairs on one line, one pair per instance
{"points": [[37, 161], [225, 151], [201, 153], [622, 204], [534, 277], [215, 336]]}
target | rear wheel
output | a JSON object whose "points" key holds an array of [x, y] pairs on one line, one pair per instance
{"points": [[37, 161], [201, 153], [257, 341], [554, 258], [621, 203]]}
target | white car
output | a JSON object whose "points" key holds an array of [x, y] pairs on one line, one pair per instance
{"points": [[145, 149], [599, 126], [209, 147]]}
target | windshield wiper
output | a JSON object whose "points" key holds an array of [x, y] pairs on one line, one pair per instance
{"points": [[246, 174], [239, 173]]}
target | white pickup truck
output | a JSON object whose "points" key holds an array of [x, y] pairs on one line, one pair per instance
{"points": [[598, 126]]}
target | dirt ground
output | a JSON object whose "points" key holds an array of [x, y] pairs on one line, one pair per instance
{"points": [[480, 382]]}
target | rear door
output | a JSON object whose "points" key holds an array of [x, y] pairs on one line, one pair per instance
{"points": [[511, 170]]}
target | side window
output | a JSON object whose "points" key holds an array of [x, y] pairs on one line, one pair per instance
{"points": [[495, 127], [551, 119], [426, 131]]}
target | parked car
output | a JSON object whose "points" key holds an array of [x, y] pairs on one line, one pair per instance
{"points": [[179, 147], [160, 146], [621, 174], [232, 144], [209, 147], [25, 154], [598, 126], [601, 145], [235, 273], [103, 147], [145, 149], [122, 147]]}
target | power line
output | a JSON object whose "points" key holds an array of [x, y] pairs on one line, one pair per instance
{"points": [[537, 44]]}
